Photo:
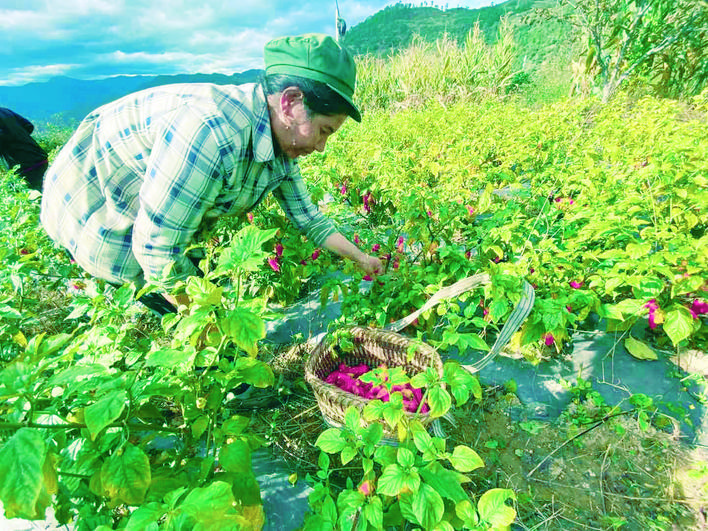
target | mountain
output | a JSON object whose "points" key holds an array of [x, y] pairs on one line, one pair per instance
{"points": [[65, 101]]}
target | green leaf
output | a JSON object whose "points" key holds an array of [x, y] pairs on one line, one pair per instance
{"points": [[202, 292], [439, 401], [639, 350], [179, 360], [428, 506], [373, 512], [493, 509], [236, 457], [145, 515], [331, 441], [465, 459], [445, 482], [244, 328], [348, 502], [394, 480], [678, 324], [405, 458], [245, 252], [254, 372], [349, 452], [211, 507], [105, 411], [27, 475], [466, 512], [351, 418], [235, 425], [125, 476]]}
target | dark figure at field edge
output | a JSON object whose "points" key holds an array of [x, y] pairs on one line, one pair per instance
{"points": [[18, 147]]}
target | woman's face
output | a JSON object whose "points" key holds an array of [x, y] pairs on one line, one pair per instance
{"points": [[309, 135], [296, 134]]}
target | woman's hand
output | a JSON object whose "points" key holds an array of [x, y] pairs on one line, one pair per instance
{"points": [[371, 265], [339, 244]]}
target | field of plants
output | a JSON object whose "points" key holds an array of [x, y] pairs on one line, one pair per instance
{"points": [[601, 207]]}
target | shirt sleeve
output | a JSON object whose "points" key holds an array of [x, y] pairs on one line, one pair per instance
{"points": [[294, 199], [183, 178]]}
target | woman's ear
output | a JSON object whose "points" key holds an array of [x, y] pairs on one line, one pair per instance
{"points": [[291, 99]]}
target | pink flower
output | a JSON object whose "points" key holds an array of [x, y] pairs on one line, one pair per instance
{"points": [[24, 251], [485, 311], [575, 284], [430, 214], [273, 263], [548, 339], [366, 488], [368, 202], [396, 263], [367, 277], [468, 254], [569, 308], [343, 189], [652, 306], [279, 249], [375, 247], [470, 210], [356, 239], [249, 217], [315, 254], [699, 307], [399, 244]]}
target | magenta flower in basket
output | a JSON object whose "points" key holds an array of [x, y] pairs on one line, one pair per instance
{"points": [[377, 384]]}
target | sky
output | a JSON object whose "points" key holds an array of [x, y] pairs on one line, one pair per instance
{"points": [[93, 39]]}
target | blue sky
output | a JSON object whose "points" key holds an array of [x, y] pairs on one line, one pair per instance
{"points": [[90, 39]]}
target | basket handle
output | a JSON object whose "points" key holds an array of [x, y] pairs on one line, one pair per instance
{"points": [[520, 312]]}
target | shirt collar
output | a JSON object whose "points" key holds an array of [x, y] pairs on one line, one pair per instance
{"points": [[263, 150]]}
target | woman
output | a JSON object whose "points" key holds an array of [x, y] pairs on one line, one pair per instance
{"points": [[138, 179]]}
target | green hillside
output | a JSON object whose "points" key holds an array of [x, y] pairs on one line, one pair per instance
{"points": [[395, 27]]}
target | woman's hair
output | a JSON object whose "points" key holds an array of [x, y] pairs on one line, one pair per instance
{"points": [[318, 97]]}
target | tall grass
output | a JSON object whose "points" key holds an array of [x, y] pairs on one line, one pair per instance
{"points": [[444, 71]]}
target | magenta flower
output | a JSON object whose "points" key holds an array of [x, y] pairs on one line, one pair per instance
{"points": [[279, 249], [315, 254], [356, 239], [365, 488], [367, 277], [399, 244], [343, 189], [273, 263], [430, 213], [575, 284], [396, 263], [548, 339], [303, 262], [368, 202], [699, 307], [470, 210], [569, 308], [249, 217], [375, 247], [652, 306], [468, 254]]}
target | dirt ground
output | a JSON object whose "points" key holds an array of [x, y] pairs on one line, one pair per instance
{"points": [[587, 470]]}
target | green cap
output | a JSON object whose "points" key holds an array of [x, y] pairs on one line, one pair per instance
{"points": [[318, 57]]}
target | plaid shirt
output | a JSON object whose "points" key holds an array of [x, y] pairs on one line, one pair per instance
{"points": [[138, 178]]}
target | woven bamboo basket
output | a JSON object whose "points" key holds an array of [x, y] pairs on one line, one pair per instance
{"points": [[372, 347]]}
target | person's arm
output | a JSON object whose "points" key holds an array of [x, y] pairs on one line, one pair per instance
{"points": [[337, 243]]}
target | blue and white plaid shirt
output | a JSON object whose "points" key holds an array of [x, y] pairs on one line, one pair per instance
{"points": [[133, 185]]}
